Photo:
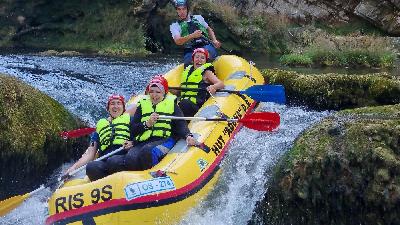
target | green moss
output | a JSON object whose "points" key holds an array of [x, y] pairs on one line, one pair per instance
{"points": [[30, 123], [343, 170], [24, 130], [336, 91]]}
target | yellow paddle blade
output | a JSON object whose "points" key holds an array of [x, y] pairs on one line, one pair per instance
{"points": [[11, 203]]}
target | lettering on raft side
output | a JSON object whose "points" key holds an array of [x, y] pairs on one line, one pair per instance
{"points": [[230, 127], [75, 201]]}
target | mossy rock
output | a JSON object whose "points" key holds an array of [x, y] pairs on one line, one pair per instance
{"points": [[336, 91], [30, 123], [344, 170]]}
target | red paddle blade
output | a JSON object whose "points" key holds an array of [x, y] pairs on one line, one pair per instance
{"points": [[262, 121], [77, 133]]}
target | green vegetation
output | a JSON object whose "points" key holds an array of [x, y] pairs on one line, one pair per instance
{"points": [[342, 51], [296, 59], [129, 27], [267, 32], [346, 58], [337, 91], [96, 27], [31, 145], [261, 32]]}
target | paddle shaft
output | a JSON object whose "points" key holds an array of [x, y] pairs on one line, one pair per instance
{"points": [[203, 89], [84, 166], [198, 118], [261, 93]]}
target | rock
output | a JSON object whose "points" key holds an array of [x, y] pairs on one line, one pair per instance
{"points": [[49, 52], [383, 14], [30, 123], [347, 178], [69, 53], [336, 91], [56, 53]]}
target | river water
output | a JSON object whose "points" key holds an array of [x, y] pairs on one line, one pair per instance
{"points": [[82, 85]]}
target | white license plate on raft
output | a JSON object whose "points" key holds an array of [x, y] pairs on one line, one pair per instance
{"points": [[155, 185]]}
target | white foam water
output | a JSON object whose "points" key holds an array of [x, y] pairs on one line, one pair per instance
{"points": [[246, 168]]}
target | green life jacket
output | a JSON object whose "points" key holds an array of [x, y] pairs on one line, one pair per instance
{"points": [[189, 27], [115, 132], [192, 80], [162, 128]]}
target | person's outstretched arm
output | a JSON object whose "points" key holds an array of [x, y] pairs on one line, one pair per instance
{"points": [[213, 38], [180, 128], [88, 156]]}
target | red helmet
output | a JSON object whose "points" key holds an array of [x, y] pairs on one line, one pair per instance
{"points": [[116, 97], [202, 50], [158, 79]]}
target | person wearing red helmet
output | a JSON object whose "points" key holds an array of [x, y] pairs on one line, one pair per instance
{"points": [[154, 137], [199, 75], [192, 31], [111, 133], [161, 79]]}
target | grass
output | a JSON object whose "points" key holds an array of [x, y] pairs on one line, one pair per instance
{"points": [[343, 51], [296, 59]]}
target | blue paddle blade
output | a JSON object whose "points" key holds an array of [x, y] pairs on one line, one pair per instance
{"points": [[266, 93]]}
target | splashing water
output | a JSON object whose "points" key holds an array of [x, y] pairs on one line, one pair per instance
{"points": [[245, 169], [82, 86]]}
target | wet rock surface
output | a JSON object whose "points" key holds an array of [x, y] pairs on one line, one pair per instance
{"points": [[30, 123], [343, 170]]}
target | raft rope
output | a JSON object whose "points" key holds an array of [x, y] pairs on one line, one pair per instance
{"points": [[168, 167]]}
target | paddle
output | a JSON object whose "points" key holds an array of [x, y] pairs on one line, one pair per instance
{"points": [[66, 176], [261, 121], [261, 93], [77, 133], [11, 203]]}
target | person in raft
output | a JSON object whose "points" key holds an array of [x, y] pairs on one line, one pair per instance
{"points": [[192, 31], [111, 133], [199, 75], [154, 137]]}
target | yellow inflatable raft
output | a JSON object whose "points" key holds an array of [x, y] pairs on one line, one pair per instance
{"points": [[164, 193]]}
